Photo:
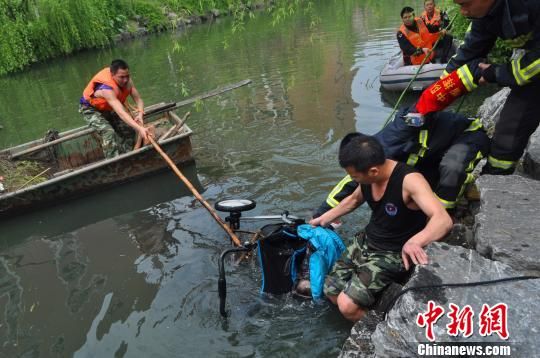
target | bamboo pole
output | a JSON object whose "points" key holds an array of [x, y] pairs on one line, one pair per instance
{"points": [[32, 179], [186, 181]]}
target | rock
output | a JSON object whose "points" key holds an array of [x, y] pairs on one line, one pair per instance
{"points": [[215, 13], [508, 225], [141, 31], [172, 17], [359, 344], [531, 162], [490, 111], [399, 335]]}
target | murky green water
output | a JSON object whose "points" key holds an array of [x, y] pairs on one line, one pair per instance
{"points": [[133, 271]]}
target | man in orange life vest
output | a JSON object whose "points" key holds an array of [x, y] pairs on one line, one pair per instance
{"points": [[435, 19], [416, 40], [102, 106]]}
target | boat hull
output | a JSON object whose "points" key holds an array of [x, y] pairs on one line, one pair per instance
{"points": [[97, 176], [396, 77]]}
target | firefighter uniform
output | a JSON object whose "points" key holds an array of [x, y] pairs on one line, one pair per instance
{"points": [[445, 150], [517, 23]]}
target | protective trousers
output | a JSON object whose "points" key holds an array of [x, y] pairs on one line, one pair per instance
{"points": [[518, 121]]}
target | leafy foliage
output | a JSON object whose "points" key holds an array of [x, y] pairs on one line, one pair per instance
{"points": [[36, 30]]}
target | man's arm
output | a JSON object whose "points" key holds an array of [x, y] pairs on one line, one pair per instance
{"points": [[139, 102], [438, 225], [521, 70], [347, 205], [477, 44], [343, 189], [118, 107], [406, 46]]}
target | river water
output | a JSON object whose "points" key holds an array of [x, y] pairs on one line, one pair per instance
{"points": [[133, 271]]}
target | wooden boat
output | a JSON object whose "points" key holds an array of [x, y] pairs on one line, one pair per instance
{"points": [[74, 163]]}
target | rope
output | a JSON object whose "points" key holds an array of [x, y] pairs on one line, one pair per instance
{"points": [[463, 284], [416, 74]]}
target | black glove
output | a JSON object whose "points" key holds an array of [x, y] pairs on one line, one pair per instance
{"points": [[489, 74]]}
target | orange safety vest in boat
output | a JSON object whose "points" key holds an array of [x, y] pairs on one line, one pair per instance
{"points": [[421, 39], [105, 77], [435, 20]]}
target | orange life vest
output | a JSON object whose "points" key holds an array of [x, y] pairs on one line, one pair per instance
{"points": [[421, 39], [105, 77], [435, 20]]}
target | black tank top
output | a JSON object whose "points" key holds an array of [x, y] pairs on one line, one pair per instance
{"points": [[392, 223]]}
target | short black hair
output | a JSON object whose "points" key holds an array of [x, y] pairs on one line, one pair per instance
{"points": [[360, 151], [118, 64], [406, 10]]}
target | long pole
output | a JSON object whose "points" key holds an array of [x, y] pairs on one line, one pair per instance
{"points": [[186, 181]]}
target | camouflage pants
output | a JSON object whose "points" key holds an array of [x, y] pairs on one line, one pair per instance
{"points": [[116, 136], [362, 273]]}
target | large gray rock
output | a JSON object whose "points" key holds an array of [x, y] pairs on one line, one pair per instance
{"points": [[490, 111], [399, 335], [531, 162], [508, 225]]}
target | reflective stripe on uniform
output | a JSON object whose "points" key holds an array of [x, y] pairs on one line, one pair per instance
{"points": [[470, 177], [466, 78], [422, 139], [446, 203], [472, 164], [501, 164], [524, 75], [330, 199], [532, 70], [444, 74], [474, 126]]}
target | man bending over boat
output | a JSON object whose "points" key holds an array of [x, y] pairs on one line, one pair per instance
{"points": [[416, 40], [406, 216], [102, 106]]}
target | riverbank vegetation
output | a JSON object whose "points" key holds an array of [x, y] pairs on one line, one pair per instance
{"points": [[37, 30]]}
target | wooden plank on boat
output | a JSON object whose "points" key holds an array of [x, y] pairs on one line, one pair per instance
{"points": [[51, 143]]}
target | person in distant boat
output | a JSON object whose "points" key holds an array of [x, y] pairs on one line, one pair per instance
{"points": [[102, 106], [406, 216], [434, 19], [416, 40]]}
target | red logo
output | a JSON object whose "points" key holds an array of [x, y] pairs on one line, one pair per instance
{"points": [[491, 320]]}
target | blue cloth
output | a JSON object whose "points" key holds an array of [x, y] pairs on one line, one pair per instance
{"points": [[328, 248]]}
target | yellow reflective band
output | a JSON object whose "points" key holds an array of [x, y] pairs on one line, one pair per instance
{"points": [[412, 160], [332, 202], [469, 179], [444, 74], [466, 78], [330, 199], [422, 139], [532, 70], [447, 204], [474, 126], [516, 71], [473, 162], [501, 164]]}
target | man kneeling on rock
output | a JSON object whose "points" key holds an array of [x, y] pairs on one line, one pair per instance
{"points": [[406, 216]]}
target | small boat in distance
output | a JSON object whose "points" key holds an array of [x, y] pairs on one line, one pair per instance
{"points": [[395, 76], [73, 162]]}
